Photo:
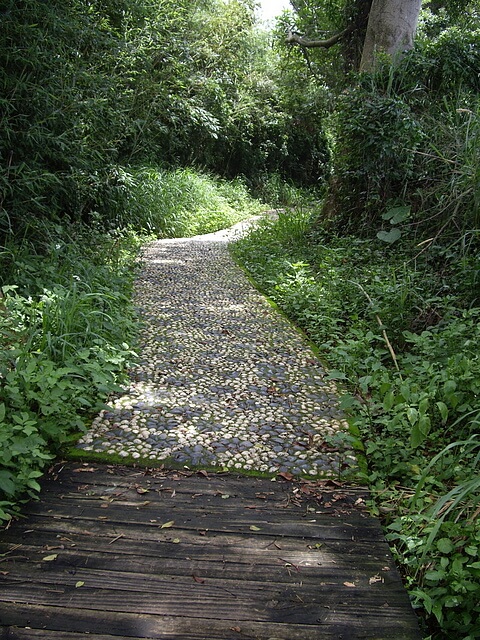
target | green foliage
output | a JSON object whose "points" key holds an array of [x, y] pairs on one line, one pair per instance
{"points": [[187, 203], [404, 345], [371, 166], [63, 348], [407, 135]]}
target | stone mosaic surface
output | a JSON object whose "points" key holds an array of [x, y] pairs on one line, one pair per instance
{"points": [[224, 380]]}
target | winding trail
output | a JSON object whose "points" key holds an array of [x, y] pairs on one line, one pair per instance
{"points": [[112, 552], [224, 380]]}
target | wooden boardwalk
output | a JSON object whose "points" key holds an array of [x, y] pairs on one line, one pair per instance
{"points": [[113, 552]]}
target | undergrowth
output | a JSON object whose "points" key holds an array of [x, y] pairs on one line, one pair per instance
{"points": [[66, 333], [400, 331]]}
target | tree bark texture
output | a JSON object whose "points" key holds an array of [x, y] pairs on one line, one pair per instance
{"points": [[391, 29]]}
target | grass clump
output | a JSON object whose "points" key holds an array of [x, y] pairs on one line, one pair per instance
{"points": [[185, 202], [400, 331], [66, 328]]}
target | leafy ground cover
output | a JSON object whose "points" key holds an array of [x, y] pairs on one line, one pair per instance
{"points": [[66, 332], [400, 330]]}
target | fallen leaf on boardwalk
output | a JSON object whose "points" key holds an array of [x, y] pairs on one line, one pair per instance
{"points": [[54, 556], [349, 584], [176, 540], [386, 569], [375, 579], [254, 528], [286, 476], [202, 533], [78, 584], [167, 525], [4, 573], [85, 469], [197, 579], [225, 496], [141, 490], [237, 629], [203, 473], [333, 483]]}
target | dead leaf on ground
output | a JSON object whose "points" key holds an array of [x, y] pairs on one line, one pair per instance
{"points": [[254, 528], [203, 473], [54, 556], [375, 579], [197, 579], [167, 525], [350, 584], [286, 476], [78, 584], [236, 629], [141, 490]]}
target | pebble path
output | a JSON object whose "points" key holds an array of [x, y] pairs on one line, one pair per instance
{"points": [[224, 380]]}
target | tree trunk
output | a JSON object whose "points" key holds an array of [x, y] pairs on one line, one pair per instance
{"points": [[391, 29]]}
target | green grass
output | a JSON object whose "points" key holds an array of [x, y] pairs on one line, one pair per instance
{"points": [[67, 329]]}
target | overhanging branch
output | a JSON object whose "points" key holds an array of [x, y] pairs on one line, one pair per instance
{"points": [[294, 38]]}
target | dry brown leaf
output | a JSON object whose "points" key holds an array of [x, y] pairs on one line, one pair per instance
{"points": [[197, 579], [350, 584], [141, 490]]}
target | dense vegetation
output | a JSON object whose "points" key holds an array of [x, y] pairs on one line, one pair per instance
{"points": [[133, 119]]}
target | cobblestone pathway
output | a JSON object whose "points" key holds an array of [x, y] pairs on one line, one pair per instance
{"points": [[224, 380]]}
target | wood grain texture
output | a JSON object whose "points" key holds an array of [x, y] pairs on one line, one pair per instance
{"points": [[111, 553]]}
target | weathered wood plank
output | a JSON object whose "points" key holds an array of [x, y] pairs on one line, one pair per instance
{"points": [[136, 627], [312, 567]]}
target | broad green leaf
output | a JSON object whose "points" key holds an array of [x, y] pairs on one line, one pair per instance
{"points": [[390, 236], [444, 545], [443, 409], [416, 437], [388, 400], [397, 214]]}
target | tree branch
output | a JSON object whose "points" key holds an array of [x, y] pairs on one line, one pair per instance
{"points": [[294, 38]]}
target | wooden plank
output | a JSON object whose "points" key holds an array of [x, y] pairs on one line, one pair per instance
{"points": [[214, 560], [137, 627], [311, 567], [233, 520]]}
